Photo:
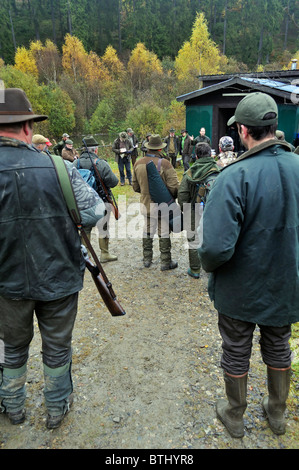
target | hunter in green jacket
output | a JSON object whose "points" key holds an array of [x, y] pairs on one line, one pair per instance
{"points": [[251, 247]]}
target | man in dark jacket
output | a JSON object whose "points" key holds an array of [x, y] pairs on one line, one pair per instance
{"points": [[123, 148], [202, 137], [110, 180], [57, 149], [186, 147], [172, 146], [251, 247], [41, 266], [134, 143], [196, 184]]}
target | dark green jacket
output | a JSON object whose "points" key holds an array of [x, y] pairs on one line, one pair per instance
{"points": [[251, 237], [196, 184], [204, 170]]}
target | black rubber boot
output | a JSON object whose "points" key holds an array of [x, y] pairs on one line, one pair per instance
{"points": [[231, 411], [165, 251], [275, 404], [147, 246]]}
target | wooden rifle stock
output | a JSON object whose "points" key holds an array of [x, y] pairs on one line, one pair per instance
{"points": [[100, 279], [109, 198], [104, 289]]}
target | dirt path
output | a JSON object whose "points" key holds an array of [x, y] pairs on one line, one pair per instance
{"points": [[147, 380]]}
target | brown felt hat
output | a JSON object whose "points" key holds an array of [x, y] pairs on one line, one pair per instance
{"points": [[155, 143], [15, 107]]}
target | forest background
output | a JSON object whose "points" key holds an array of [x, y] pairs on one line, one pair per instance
{"points": [[100, 66]]}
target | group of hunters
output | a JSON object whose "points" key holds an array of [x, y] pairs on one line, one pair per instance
{"points": [[249, 246]]}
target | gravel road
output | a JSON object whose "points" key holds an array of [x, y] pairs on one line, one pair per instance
{"points": [[149, 379]]}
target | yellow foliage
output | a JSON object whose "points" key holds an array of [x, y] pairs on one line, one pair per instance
{"points": [[142, 65], [112, 62], [74, 57], [143, 60], [95, 71], [200, 55], [25, 62]]}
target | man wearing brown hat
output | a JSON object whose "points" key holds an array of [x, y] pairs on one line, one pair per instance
{"points": [[148, 207], [251, 247], [41, 266]]}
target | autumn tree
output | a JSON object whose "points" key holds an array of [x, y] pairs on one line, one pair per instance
{"points": [[25, 62], [200, 55], [47, 59], [142, 66], [112, 63], [74, 57]]}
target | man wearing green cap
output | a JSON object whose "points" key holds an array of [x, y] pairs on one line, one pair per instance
{"points": [[251, 247]]}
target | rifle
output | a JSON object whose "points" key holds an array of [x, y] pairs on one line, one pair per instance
{"points": [[100, 279], [102, 283], [102, 190]]}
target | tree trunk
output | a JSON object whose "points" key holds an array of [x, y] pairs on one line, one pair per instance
{"points": [[119, 26], [224, 28], [69, 17], [53, 22], [12, 31], [259, 57]]}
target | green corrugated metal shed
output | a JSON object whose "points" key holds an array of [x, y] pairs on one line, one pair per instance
{"points": [[212, 105]]}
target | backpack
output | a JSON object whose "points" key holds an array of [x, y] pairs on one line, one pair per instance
{"points": [[204, 187], [87, 175]]}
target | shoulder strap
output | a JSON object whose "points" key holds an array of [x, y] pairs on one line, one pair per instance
{"points": [[159, 165], [66, 187]]}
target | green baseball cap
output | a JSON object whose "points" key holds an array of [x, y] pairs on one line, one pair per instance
{"points": [[252, 109]]}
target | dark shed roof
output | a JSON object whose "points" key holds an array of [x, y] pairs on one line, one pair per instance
{"points": [[284, 90]]}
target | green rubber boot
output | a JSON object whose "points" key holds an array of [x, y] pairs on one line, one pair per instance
{"points": [[231, 411], [105, 255], [275, 404]]}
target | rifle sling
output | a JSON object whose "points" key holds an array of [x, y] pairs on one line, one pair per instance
{"points": [[70, 199]]}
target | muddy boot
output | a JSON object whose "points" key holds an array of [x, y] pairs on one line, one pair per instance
{"points": [[13, 393], [275, 404], [58, 393], [165, 251], [231, 411], [105, 255], [147, 246]]}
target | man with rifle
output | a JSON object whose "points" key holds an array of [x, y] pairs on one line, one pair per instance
{"points": [[107, 181], [41, 266]]}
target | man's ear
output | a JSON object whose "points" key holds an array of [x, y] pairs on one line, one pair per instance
{"points": [[27, 128], [243, 130]]}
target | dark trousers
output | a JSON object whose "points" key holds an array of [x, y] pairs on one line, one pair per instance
{"points": [[186, 159], [172, 156], [124, 163], [237, 344], [56, 320]]}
